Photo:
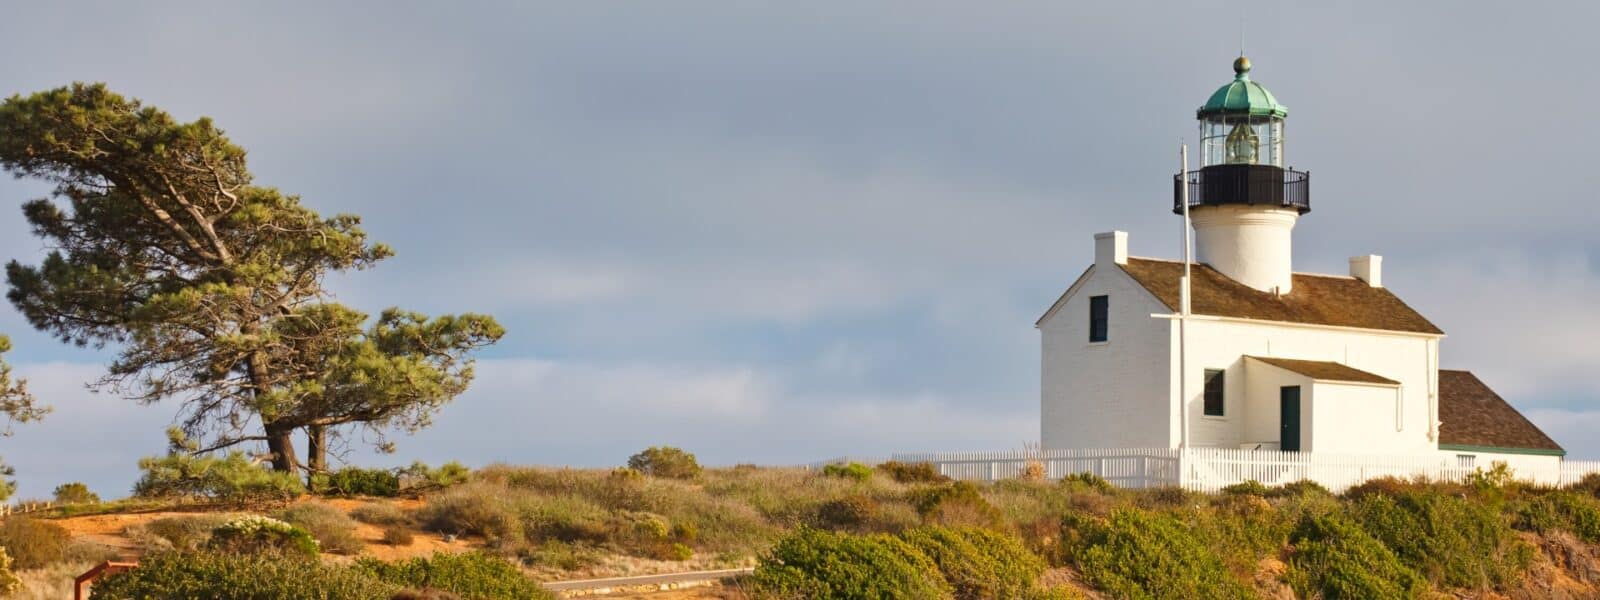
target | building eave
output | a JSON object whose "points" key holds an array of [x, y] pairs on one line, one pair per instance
{"points": [[1499, 450]]}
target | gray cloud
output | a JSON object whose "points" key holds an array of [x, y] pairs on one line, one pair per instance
{"points": [[857, 205]]}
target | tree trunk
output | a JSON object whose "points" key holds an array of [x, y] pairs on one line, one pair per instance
{"points": [[316, 449], [280, 442]]}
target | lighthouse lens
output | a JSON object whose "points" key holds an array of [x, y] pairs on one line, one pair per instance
{"points": [[1243, 145]]}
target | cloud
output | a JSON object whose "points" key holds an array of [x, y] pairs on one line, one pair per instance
{"points": [[1573, 429], [90, 437], [551, 412], [1525, 322]]}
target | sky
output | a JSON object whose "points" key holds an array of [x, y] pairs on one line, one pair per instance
{"points": [[778, 233]]}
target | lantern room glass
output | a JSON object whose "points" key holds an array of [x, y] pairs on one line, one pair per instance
{"points": [[1241, 139]]}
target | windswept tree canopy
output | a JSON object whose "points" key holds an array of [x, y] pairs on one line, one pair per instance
{"points": [[210, 287]]}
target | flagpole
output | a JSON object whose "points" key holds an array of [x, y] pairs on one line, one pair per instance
{"points": [[1183, 300]]}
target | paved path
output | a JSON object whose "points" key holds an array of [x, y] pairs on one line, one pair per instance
{"points": [[644, 580]]}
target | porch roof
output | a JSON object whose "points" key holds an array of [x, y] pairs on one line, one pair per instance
{"points": [[1325, 371]]}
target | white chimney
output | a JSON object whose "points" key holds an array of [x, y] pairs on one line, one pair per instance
{"points": [[1111, 248], [1367, 268]]}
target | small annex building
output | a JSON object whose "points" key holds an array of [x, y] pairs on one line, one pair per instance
{"points": [[1264, 357]]}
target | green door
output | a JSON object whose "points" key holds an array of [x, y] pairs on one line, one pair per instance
{"points": [[1289, 418]]}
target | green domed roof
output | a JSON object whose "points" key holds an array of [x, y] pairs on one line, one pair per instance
{"points": [[1242, 97]]}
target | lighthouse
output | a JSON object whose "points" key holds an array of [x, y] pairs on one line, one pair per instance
{"points": [[1243, 201]]}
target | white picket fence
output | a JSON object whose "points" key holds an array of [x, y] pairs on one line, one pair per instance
{"points": [[1211, 469]]}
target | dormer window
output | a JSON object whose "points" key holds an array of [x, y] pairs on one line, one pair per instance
{"points": [[1099, 318]]}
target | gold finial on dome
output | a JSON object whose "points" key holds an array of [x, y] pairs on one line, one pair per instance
{"points": [[1241, 65]]}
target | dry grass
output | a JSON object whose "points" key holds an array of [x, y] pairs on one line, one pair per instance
{"points": [[50, 583], [334, 530]]}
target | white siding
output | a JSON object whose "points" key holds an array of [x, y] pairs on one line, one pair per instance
{"points": [[1354, 419], [1223, 344], [1527, 467], [1112, 394]]}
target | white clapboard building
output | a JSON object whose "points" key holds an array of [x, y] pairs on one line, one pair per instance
{"points": [[1265, 358]]}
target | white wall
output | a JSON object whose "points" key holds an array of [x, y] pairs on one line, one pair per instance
{"points": [[1525, 467], [1250, 244], [1354, 419], [1111, 394], [1221, 343]]}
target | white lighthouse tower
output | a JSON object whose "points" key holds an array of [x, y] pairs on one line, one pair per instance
{"points": [[1242, 201]]}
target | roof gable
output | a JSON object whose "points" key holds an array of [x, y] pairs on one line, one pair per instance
{"points": [[1471, 414], [1314, 299], [1050, 312], [1322, 370]]}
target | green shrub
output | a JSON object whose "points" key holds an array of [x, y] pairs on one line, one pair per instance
{"points": [[1568, 511], [811, 563], [1299, 489], [850, 512], [185, 533], [254, 534], [1086, 481], [1493, 482], [685, 532], [1336, 559], [1590, 484], [334, 530], [472, 510], [473, 575], [666, 462], [675, 551], [32, 543], [1249, 487], [397, 535], [177, 576], [1141, 555], [918, 472], [356, 481], [446, 475], [379, 513], [232, 479], [957, 504], [1170, 496], [976, 563], [853, 471], [1452, 541], [75, 493], [8, 579]]}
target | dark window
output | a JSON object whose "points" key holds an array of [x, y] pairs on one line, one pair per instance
{"points": [[1214, 387], [1099, 309]]}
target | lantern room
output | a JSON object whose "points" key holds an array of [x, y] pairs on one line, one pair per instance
{"points": [[1241, 124], [1241, 151]]}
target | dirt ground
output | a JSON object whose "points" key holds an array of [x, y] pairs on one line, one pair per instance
{"points": [[111, 530]]}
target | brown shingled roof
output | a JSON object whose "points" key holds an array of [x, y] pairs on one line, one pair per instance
{"points": [[1314, 299], [1471, 414], [1326, 371]]}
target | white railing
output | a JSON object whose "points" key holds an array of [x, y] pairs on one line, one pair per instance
{"points": [[23, 508], [1211, 469], [1573, 471]]}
